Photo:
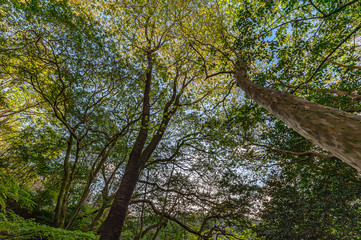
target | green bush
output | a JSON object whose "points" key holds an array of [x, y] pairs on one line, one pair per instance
{"points": [[11, 191], [12, 226], [15, 227]]}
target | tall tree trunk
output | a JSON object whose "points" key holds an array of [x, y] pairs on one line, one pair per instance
{"points": [[64, 181], [105, 194], [113, 224], [68, 187], [332, 129], [104, 155]]}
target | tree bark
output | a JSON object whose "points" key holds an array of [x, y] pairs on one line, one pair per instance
{"points": [[332, 129], [114, 222]]}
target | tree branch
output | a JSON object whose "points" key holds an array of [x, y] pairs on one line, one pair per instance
{"points": [[345, 66], [331, 91], [328, 56], [298, 154], [158, 212]]}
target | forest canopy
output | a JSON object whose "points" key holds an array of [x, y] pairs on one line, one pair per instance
{"points": [[169, 119]]}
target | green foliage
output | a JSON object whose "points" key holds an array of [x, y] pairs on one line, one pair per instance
{"points": [[76, 70], [290, 39], [312, 193], [13, 226], [11, 191]]}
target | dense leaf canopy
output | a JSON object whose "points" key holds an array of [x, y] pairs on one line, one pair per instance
{"points": [[124, 118]]}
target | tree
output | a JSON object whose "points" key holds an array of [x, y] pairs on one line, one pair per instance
{"points": [[131, 97], [173, 61], [180, 197], [332, 129]]}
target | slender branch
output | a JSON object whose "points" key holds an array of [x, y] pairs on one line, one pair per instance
{"points": [[340, 8], [328, 56], [164, 223], [345, 66], [292, 21], [332, 91], [316, 17], [319, 10], [158, 212], [218, 73], [299, 154]]}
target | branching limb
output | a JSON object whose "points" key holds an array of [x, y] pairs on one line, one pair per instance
{"points": [[328, 56], [298, 154], [158, 212], [331, 91]]}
